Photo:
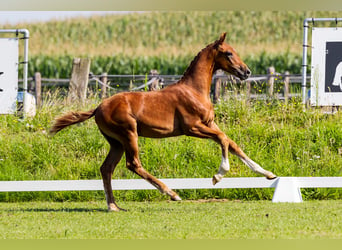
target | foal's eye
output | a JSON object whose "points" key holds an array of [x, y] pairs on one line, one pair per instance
{"points": [[229, 54]]}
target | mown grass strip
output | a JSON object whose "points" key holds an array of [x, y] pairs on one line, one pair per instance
{"points": [[204, 219]]}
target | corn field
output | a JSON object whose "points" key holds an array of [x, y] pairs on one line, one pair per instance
{"points": [[167, 41]]}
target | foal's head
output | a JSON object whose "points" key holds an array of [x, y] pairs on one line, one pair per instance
{"points": [[228, 60]]}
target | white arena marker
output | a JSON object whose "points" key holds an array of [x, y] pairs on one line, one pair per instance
{"points": [[287, 190]]}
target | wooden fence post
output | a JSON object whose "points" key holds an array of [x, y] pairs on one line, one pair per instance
{"points": [[217, 86], [103, 79], [232, 83], [217, 90], [155, 85], [38, 88], [130, 85], [286, 86], [79, 80], [270, 80], [248, 91]]}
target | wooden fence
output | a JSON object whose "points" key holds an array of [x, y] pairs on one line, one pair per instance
{"points": [[264, 85], [270, 85]]}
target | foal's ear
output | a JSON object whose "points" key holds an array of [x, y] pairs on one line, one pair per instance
{"points": [[222, 38]]}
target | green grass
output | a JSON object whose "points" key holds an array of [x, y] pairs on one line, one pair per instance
{"points": [[172, 220], [281, 138]]}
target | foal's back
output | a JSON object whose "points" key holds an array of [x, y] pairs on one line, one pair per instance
{"points": [[153, 114]]}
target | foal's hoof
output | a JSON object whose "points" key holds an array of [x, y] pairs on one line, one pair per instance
{"points": [[173, 195], [271, 176], [214, 181], [114, 208], [176, 198], [216, 178], [117, 210]]}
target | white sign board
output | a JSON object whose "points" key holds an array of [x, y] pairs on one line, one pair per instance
{"points": [[326, 67], [9, 51]]}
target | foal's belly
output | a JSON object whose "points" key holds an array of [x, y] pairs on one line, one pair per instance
{"points": [[157, 131]]}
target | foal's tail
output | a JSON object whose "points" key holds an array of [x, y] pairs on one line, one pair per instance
{"points": [[71, 118]]}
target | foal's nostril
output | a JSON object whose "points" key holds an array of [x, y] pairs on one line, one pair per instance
{"points": [[246, 70]]}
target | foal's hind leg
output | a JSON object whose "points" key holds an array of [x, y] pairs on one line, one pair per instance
{"points": [[107, 169], [134, 164]]}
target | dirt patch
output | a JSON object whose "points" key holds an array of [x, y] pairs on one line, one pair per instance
{"points": [[211, 200]]}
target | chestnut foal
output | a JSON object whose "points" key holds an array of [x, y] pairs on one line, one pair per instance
{"points": [[183, 108]]}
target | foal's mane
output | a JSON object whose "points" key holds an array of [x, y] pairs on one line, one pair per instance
{"points": [[196, 58]]}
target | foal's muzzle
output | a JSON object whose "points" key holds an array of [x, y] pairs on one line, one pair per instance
{"points": [[243, 73]]}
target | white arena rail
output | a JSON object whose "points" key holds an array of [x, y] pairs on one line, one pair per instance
{"points": [[287, 189]]}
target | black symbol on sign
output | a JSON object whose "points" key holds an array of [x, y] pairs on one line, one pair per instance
{"points": [[338, 76], [333, 67], [0, 75]]}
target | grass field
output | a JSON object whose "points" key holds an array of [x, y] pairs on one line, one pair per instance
{"points": [[282, 138], [220, 219]]}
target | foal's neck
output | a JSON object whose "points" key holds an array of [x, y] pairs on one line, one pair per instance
{"points": [[200, 72]]}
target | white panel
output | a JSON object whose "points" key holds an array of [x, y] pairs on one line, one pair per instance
{"points": [[180, 183], [135, 184], [9, 50], [326, 67]]}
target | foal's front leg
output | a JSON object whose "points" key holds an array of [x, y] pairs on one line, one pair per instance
{"points": [[213, 132], [236, 150]]}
